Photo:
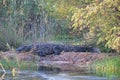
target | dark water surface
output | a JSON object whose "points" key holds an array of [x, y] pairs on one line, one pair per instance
{"points": [[51, 75]]}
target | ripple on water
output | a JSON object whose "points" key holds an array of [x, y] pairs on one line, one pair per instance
{"points": [[35, 75]]}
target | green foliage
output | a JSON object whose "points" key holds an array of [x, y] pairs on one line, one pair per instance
{"points": [[27, 21], [24, 65], [7, 36], [10, 63], [108, 67], [106, 49], [97, 18]]}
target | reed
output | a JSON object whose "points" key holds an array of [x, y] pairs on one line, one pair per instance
{"points": [[108, 67], [9, 63]]}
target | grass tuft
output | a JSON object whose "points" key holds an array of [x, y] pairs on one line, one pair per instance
{"points": [[108, 67]]}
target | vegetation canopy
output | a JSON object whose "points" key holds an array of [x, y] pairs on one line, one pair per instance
{"points": [[101, 19], [83, 22]]}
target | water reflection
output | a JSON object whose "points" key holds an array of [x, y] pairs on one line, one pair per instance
{"points": [[51, 75]]}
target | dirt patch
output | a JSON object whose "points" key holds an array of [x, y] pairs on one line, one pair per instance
{"points": [[74, 61], [76, 57]]}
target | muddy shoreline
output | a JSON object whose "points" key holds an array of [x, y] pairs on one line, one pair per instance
{"points": [[66, 61]]}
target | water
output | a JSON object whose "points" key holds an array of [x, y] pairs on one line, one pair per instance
{"points": [[51, 75]]}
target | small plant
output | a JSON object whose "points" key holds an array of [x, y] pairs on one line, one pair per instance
{"points": [[14, 62], [3, 75], [2, 68], [10, 47], [108, 66]]}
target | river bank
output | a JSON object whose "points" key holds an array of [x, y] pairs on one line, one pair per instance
{"points": [[66, 61]]}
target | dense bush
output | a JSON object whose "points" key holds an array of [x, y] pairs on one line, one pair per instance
{"points": [[8, 37]]}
